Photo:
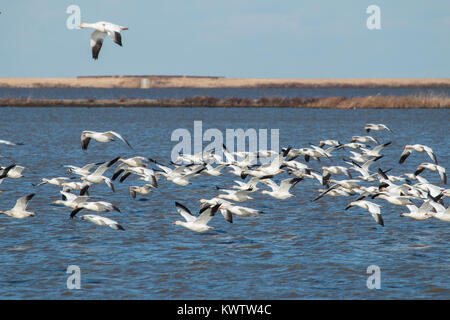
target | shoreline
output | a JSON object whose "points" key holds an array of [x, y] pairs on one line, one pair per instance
{"points": [[151, 81], [369, 102]]}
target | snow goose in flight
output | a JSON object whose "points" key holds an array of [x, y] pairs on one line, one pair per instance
{"points": [[214, 171], [441, 213], [12, 172], [364, 139], [334, 191], [393, 199], [281, 191], [97, 175], [352, 145], [328, 171], [107, 136], [78, 186], [146, 189], [432, 167], [98, 206], [349, 184], [373, 208], [81, 171], [101, 29], [146, 174], [239, 210], [137, 161], [330, 143], [379, 126], [177, 176], [59, 181], [421, 213], [375, 152], [251, 185], [10, 143], [102, 221], [271, 169], [419, 148], [19, 210], [236, 195], [4, 171], [197, 224], [70, 200]]}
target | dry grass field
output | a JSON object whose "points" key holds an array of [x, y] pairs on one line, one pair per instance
{"points": [[199, 101], [214, 82]]}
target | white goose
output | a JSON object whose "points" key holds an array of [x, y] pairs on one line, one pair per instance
{"points": [[394, 199], [421, 213], [364, 139], [281, 191], [197, 224], [19, 210], [233, 195], [81, 171], [98, 206], [102, 29], [70, 200], [239, 210], [146, 189], [97, 175], [10, 143], [177, 176], [59, 181], [379, 126], [102, 221], [432, 167], [441, 213], [373, 208], [375, 152], [107, 136], [419, 148], [12, 172]]}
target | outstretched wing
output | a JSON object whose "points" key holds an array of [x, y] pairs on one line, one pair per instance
{"points": [[430, 153], [404, 155], [102, 168], [22, 202], [187, 215], [84, 140], [207, 213], [120, 137], [96, 43], [289, 183]]}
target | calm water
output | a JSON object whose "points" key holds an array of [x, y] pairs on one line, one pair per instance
{"points": [[178, 93], [297, 249]]}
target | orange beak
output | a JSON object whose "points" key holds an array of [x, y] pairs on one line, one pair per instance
{"points": [[123, 28]]}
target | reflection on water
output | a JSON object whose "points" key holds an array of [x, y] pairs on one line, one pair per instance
{"points": [[296, 249]]}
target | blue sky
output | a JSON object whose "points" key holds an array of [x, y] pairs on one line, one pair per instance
{"points": [[245, 38]]}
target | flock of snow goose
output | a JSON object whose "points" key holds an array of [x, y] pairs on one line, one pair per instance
{"points": [[422, 199]]}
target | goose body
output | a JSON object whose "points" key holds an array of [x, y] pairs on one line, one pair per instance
{"points": [[197, 224], [19, 210], [103, 137], [102, 221], [101, 30]]}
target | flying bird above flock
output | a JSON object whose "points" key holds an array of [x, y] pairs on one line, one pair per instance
{"points": [[107, 136], [352, 171], [101, 30]]}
